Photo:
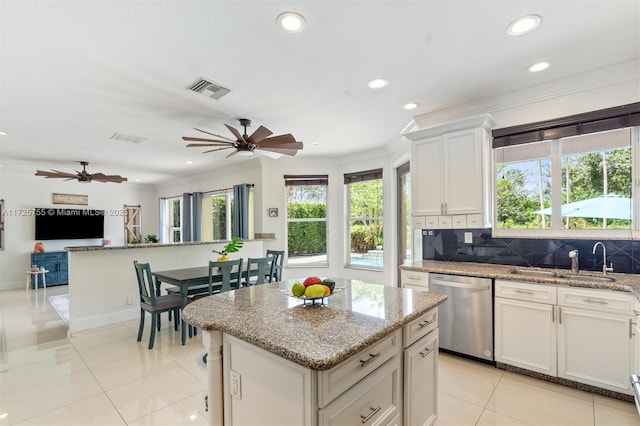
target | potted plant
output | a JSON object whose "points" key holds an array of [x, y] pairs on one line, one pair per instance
{"points": [[151, 238], [234, 246]]}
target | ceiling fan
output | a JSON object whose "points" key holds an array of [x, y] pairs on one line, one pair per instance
{"points": [[260, 140], [82, 176]]}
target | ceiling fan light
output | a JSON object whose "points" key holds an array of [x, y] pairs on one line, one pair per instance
{"points": [[291, 22], [245, 153]]}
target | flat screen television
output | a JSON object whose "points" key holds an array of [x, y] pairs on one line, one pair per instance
{"points": [[68, 224]]}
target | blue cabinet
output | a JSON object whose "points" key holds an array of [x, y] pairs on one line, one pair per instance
{"points": [[56, 263]]}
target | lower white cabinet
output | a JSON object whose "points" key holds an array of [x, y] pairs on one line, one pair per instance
{"points": [[584, 335], [526, 335], [414, 280], [420, 381]]}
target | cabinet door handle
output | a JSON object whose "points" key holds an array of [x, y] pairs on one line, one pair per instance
{"points": [[425, 353], [441, 208], [371, 414], [446, 208], [602, 302], [553, 314], [523, 292], [559, 314], [367, 361], [426, 323]]}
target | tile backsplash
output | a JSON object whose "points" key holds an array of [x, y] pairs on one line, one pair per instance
{"points": [[449, 244]]}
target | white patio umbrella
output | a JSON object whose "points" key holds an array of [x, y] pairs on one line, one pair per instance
{"points": [[610, 206]]}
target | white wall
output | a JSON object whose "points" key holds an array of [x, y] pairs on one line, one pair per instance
{"points": [[23, 192]]}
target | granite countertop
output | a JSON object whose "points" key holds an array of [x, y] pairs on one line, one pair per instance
{"points": [[623, 282], [318, 337], [153, 245]]}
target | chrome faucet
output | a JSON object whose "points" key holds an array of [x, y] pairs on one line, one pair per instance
{"points": [[605, 268], [573, 256]]}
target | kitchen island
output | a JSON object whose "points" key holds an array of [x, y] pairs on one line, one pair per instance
{"points": [[353, 357]]}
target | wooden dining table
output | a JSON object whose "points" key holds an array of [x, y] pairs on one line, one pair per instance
{"points": [[184, 279]]}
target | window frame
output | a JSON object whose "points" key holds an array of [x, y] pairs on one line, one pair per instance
{"points": [[228, 194], [306, 180], [169, 219], [555, 131], [349, 179]]}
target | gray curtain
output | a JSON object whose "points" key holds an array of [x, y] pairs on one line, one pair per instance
{"points": [[241, 211], [197, 216], [162, 202], [186, 221]]}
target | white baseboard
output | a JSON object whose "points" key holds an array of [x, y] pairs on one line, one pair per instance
{"points": [[79, 324]]}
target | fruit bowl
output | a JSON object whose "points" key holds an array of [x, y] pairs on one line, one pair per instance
{"points": [[311, 300]]}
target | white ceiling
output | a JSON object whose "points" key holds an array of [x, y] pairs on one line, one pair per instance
{"points": [[74, 72]]}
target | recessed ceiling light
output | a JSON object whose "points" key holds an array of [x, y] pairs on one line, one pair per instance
{"points": [[3, 133], [378, 83], [188, 162], [523, 25], [314, 143], [410, 106], [291, 22], [138, 180], [539, 66]]}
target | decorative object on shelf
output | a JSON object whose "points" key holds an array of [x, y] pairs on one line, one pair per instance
{"points": [[38, 247], [106, 242], [234, 246], [134, 241], [75, 199], [273, 212], [151, 238], [82, 176], [245, 145]]}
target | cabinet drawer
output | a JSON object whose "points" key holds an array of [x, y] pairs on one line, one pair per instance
{"points": [[414, 278], [335, 381], [526, 291], [445, 222], [418, 222], [597, 300], [374, 401], [475, 221], [419, 327], [459, 221], [430, 222]]}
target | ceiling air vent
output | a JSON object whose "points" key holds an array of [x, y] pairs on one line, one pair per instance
{"points": [[209, 88], [127, 138]]}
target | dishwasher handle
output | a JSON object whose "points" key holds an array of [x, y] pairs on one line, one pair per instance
{"points": [[460, 285]]}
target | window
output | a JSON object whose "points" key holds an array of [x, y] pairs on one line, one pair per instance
{"points": [[220, 209], [173, 214], [306, 219], [365, 243], [573, 182]]}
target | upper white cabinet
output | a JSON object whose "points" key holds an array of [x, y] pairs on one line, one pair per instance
{"points": [[450, 174]]}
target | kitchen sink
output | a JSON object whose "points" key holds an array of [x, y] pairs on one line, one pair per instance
{"points": [[587, 278], [534, 273]]}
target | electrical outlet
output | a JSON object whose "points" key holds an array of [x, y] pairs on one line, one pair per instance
{"points": [[235, 384], [130, 299], [468, 238]]}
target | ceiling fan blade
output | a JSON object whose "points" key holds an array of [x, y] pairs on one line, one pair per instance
{"points": [[235, 132], [101, 177], [233, 153], [214, 134], [55, 174], [189, 139], [291, 145], [260, 133], [202, 145], [290, 152], [286, 138], [218, 149]]}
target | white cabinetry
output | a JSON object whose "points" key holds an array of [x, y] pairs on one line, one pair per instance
{"points": [[525, 326], [414, 280], [584, 335], [449, 174], [420, 381], [597, 338]]}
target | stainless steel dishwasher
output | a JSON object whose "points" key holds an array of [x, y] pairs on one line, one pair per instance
{"points": [[466, 318]]}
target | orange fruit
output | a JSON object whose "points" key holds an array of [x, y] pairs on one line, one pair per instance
{"points": [[327, 290]]}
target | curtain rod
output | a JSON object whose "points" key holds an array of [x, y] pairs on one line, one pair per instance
{"points": [[250, 185]]}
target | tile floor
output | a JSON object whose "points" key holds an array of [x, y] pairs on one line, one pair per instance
{"points": [[104, 377]]}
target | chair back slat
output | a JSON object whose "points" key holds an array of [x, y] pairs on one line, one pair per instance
{"points": [[145, 283], [226, 268], [277, 263], [263, 272]]}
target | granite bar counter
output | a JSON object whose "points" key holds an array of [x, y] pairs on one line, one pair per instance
{"points": [[274, 344]]}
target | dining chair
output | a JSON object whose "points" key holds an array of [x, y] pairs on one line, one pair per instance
{"points": [[152, 303], [277, 263], [228, 282], [259, 270]]}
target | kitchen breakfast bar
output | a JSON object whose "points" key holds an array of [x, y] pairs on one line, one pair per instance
{"points": [[366, 355]]}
